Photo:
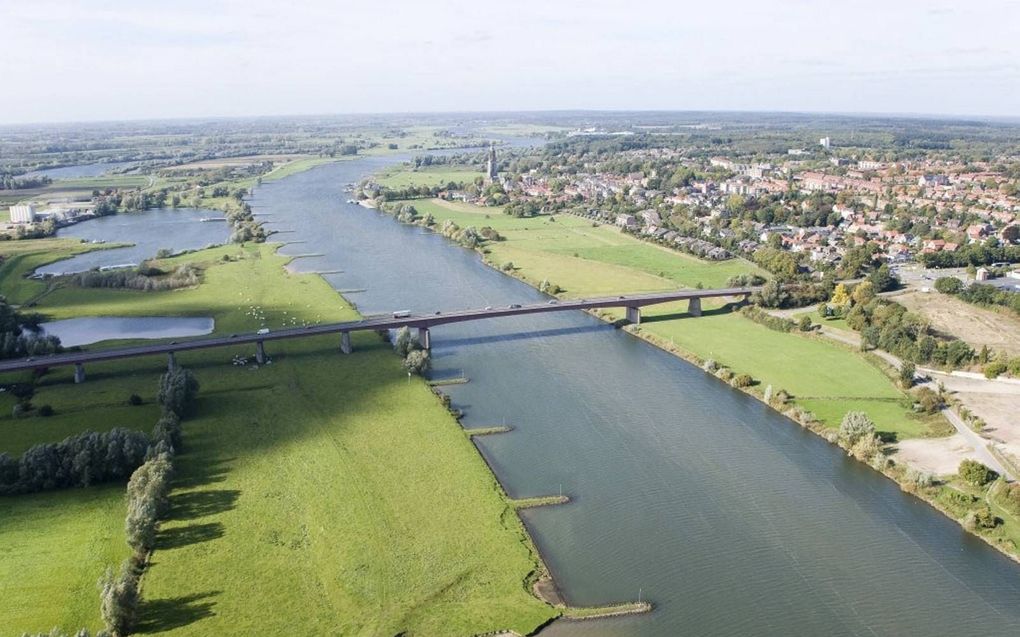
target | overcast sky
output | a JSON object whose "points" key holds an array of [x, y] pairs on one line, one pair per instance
{"points": [[72, 60]]}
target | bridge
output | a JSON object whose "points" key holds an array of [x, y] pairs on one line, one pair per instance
{"points": [[422, 322]]}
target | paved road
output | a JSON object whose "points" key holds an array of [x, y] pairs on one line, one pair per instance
{"points": [[385, 322]]}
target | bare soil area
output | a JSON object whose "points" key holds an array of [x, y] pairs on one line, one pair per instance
{"points": [[975, 325], [940, 456]]}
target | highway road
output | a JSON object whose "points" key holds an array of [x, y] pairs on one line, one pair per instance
{"points": [[385, 322]]}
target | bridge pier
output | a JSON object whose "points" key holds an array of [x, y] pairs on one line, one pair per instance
{"points": [[694, 306], [345, 342], [171, 362], [79, 373], [634, 315], [260, 353], [424, 339]]}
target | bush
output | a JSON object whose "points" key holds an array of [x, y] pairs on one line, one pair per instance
{"points": [[920, 479], [994, 369], [135, 400], [980, 518], [46, 411], [742, 380], [805, 324], [975, 473], [764, 318], [948, 285], [404, 343], [928, 401], [856, 426]]}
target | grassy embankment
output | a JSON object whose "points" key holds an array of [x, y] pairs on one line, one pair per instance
{"points": [[432, 176], [585, 261], [322, 494]]}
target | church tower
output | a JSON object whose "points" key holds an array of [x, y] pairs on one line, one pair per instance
{"points": [[490, 170]]}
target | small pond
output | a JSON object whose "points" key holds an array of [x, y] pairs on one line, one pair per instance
{"points": [[93, 329]]}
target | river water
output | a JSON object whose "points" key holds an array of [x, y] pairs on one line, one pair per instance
{"points": [[174, 229], [94, 329], [730, 518]]}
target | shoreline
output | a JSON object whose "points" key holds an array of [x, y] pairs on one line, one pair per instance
{"points": [[892, 471]]}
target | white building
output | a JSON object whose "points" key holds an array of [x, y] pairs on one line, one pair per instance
{"points": [[22, 213], [825, 142]]}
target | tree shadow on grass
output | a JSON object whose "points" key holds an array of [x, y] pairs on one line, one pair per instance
{"points": [[210, 472], [179, 536], [159, 615], [199, 504]]}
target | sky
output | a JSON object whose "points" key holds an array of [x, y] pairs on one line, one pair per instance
{"points": [[71, 60]]}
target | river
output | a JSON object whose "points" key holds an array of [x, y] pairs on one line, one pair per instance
{"points": [[730, 518]]}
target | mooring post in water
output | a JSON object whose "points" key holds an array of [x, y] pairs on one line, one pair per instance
{"points": [[423, 338], [634, 315], [345, 342], [694, 306], [171, 362], [79, 373], [260, 353]]}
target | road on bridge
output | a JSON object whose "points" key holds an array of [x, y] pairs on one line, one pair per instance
{"points": [[397, 320]]}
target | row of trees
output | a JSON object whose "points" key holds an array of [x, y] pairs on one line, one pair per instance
{"points": [[144, 278], [148, 499]]}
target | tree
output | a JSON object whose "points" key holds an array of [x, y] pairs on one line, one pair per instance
{"points": [[855, 427], [404, 343], [863, 293], [882, 279], [840, 296], [976, 473], [417, 362], [805, 323], [119, 599], [907, 372], [177, 391]]}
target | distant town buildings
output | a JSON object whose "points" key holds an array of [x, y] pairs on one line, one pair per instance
{"points": [[825, 142]]}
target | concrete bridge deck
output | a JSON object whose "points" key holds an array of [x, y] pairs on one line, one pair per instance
{"points": [[423, 322]]}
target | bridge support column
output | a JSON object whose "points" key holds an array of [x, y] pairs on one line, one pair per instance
{"points": [[694, 306], [171, 362], [260, 353], [79, 373], [345, 342], [634, 315], [424, 339]]}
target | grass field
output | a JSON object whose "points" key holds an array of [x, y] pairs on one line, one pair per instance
{"points": [[428, 177], [320, 494], [558, 247], [296, 166], [590, 261]]}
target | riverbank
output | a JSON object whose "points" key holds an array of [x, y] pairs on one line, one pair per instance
{"points": [[297, 487], [818, 380]]}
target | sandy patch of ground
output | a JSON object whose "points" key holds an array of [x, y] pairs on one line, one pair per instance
{"points": [[940, 456], [975, 325]]}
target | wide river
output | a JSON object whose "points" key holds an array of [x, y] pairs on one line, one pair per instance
{"points": [[730, 518]]}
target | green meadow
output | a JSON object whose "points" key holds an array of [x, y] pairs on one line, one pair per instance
{"points": [[318, 494], [587, 260]]}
